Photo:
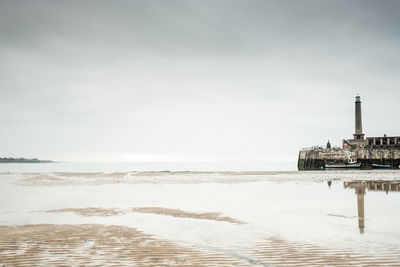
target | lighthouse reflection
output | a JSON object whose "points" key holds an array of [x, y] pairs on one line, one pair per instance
{"points": [[374, 185]]}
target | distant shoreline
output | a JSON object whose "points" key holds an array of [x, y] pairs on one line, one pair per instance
{"points": [[23, 160]]}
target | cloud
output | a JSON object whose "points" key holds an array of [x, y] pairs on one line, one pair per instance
{"points": [[227, 79]]}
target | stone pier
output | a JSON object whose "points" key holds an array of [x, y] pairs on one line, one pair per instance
{"points": [[318, 158]]}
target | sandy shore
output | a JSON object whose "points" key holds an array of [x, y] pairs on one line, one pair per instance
{"points": [[279, 252], [96, 245], [215, 216], [196, 219], [182, 177]]}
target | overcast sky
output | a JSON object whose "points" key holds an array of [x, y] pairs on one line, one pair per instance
{"points": [[198, 80]]}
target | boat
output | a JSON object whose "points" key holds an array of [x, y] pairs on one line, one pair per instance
{"points": [[352, 162], [349, 165], [381, 166]]}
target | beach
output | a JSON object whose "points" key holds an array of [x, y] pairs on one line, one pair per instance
{"points": [[198, 218]]}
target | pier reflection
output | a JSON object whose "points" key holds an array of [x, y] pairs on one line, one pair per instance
{"points": [[374, 185]]}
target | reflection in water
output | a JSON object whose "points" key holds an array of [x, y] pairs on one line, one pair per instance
{"points": [[360, 191], [377, 185]]}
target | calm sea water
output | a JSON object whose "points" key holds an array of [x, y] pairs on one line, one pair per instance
{"points": [[147, 166]]}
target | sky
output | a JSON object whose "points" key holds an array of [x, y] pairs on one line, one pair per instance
{"points": [[203, 80]]}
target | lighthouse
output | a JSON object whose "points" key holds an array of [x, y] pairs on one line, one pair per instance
{"points": [[358, 152], [358, 135]]}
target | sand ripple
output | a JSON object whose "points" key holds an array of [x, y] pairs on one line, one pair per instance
{"points": [[101, 245], [276, 251], [97, 245]]}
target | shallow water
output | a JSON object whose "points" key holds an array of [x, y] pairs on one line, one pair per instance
{"points": [[309, 216], [147, 166]]}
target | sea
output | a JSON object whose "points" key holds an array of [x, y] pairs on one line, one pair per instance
{"points": [[64, 166]]}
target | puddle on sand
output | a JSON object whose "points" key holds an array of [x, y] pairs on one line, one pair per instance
{"points": [[293, 221]]}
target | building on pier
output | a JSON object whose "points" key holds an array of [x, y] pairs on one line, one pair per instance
{"points": [[358, 152]]}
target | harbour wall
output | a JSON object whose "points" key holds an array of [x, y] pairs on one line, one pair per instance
{"points": [[317, 158]]}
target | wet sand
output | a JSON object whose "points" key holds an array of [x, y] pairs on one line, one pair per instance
{"points": [[215, 216], [90, 211], [191, 177], [94, 245], [196, 219], [277, 251]]}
